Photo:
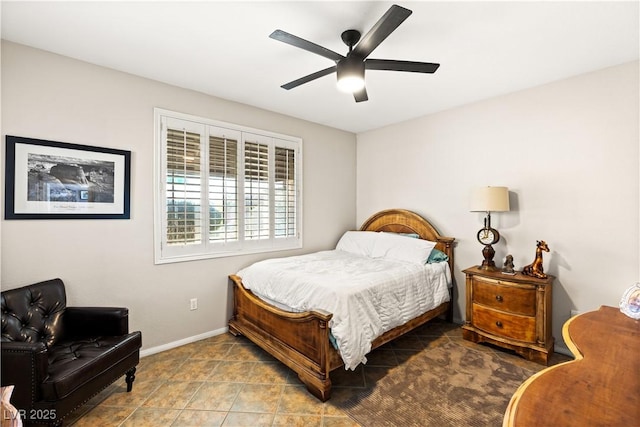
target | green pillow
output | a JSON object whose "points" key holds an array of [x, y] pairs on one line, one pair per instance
{"points": [[437, 255]]}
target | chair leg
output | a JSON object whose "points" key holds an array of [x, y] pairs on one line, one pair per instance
{"points": [[131, 376]]}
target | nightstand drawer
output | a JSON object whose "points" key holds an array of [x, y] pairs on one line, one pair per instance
{"points": [[506, 298], [522, 328]]}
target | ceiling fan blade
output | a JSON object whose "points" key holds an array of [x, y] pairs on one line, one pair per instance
{"points": [[393, 65], [310, 77], [305, 44], [381, 30], [361, 95]]}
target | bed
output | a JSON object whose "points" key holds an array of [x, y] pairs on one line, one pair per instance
{"points": [[301, 340]]}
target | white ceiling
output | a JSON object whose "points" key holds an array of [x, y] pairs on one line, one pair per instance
{"points": [[223, 48]]}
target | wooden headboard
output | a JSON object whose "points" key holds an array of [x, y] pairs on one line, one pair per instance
{"points": [[404, 221]]}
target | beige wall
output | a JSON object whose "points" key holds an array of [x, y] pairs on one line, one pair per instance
{"points": [[110, 262], [568, 151]]}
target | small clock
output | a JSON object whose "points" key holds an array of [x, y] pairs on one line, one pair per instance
{"points": [[488, 236]]}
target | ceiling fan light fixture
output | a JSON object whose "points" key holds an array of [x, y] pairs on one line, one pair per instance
{"points": [[350, 84], [350, 73]]}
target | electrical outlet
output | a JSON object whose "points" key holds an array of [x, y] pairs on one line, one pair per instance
{"points": [[194, 303]]}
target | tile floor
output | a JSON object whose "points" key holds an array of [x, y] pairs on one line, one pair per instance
{"points": [[228, 381]]}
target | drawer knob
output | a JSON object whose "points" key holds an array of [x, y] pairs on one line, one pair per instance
{"points": [[499, 298], [499, 324]]}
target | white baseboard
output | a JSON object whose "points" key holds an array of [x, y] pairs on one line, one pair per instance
{"points": [[189, 340]]}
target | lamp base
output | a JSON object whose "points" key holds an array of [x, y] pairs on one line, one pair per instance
{"points": [[488, 267], [488, 264]]}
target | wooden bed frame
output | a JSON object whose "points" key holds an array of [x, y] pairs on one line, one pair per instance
{"points": [[301, 340]]}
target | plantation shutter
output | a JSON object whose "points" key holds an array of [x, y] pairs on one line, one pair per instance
{"points": [[223, 188], [183, 195], [256, 190], [285, 192]]}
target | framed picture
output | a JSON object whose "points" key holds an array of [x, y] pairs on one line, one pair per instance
{"points": [[57, 180]]}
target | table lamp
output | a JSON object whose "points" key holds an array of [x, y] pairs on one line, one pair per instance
{"points": [[489, 199]]}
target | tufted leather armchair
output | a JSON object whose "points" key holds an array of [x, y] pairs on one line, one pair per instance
{"points": [[59, 357]]}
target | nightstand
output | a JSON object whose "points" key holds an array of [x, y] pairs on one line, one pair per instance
{"points": [[512, 312]]}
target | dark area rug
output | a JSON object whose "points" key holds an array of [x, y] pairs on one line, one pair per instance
{"points": [[449, 385]]}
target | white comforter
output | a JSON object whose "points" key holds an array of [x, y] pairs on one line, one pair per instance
{"points": [[367, 296]]}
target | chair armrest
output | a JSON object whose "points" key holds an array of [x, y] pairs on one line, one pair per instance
{"points": [[82, 322], [25, 365]]}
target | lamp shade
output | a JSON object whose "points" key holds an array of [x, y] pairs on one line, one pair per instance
{"points": [[490, 199]]}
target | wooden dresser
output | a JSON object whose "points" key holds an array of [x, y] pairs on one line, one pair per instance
{"points": [[601, 387], [512, 312]]}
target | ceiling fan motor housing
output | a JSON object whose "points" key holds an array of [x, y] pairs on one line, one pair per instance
{"points": [[350, 38]]}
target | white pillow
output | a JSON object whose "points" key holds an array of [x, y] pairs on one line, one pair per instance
{"points": [[386, 245], [403, 248], [358, 242]]}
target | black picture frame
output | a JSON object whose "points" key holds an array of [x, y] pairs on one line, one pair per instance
{"points": [[59, 180]]}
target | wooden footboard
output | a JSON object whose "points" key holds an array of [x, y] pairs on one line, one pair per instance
{"points": [[299, 340]]}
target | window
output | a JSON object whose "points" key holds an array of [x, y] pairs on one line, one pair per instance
{"points": [[224, 189]]}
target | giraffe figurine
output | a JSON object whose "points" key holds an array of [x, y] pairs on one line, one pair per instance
{"points": [[535, 268]]}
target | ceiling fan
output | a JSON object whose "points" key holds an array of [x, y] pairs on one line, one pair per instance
{"points": [[350, 68]]}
